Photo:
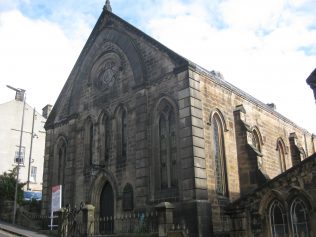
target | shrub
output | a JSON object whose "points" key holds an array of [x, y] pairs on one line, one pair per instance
{"points": [[7, 186]]}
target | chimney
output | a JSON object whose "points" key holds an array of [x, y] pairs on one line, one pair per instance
{"points": [[46, 110], [19, 95], [272, 106]]}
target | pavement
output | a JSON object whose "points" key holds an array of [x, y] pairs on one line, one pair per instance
{"points": [[18, 230]]}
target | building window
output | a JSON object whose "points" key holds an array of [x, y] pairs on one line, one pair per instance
{"points": [[33, 174], [59, 175], [218, 153], [277, 219], [167, 148], [61, 163], [124, 134], [88, 142], [299, 218], [106, 137], [19, 158], [281, 154], [128, 198], [256, 140]]}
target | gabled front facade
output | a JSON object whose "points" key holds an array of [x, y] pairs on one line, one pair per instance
{"points": [[136, 125]]}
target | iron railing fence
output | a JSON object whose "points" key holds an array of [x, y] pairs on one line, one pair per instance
{"points": [[133, 222], [37, 221]]}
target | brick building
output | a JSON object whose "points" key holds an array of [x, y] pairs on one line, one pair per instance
{"points": [[137, 124]]}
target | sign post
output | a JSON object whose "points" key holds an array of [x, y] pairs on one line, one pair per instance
{"points": [[56, 202]]}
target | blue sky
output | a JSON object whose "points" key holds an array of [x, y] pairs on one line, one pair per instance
{"points": [[266, 48]]}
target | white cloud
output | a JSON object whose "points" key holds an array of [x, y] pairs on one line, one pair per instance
{"points": [[257, 45], [36, 56], [252, 14], [259, 50]]}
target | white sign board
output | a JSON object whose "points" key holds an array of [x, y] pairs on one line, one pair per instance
{"points": [[56, 198], [56, 201]]}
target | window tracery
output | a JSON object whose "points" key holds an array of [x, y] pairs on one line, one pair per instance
{"points": [[299, 218], [277, 218]]}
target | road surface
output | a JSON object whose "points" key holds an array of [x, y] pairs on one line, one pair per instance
{"points": [[6, 234]]}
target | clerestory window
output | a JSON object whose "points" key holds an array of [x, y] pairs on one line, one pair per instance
{"points": [[281, 155]]}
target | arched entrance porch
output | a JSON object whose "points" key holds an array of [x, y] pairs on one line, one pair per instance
{"points": [[106, 225], [103, 196]]}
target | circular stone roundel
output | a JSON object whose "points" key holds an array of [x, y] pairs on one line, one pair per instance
{"points": [[106, 70]]}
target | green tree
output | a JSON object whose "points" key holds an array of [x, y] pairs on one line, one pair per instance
{"points": [[7, 186]]}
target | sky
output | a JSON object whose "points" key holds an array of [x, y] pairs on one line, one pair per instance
{"points": [[266, 48]]}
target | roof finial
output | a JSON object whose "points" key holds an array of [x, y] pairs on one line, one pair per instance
{"points": [[107, 6]]}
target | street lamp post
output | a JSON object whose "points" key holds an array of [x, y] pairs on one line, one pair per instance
{"points": [[30, 157], [20, 148]]}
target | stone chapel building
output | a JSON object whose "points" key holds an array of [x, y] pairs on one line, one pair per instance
{"points": [[137, 124]]}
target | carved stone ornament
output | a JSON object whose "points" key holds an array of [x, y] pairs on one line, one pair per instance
{"points": [[106, 70]]}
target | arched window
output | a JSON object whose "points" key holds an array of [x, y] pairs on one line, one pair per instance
{"points": [[256, 140], [61, 162], [106, 137], [218, 153], [88, 142], [277, 218], [168, 148], [124, 134], [281, 154], [299, 218], [128, 198], [60, 165]]}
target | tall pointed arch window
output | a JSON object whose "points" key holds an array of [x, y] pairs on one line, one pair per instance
{"points": [[60, 165], [88, 142], [277, 218], [167, 148], [121, 128], [218, 153], [61, 162], [299, 218], [256, 140], [281, 154], [124, 134], [105, 137]]}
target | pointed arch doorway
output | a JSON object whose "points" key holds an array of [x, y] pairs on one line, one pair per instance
{"points": [[106, 209]]}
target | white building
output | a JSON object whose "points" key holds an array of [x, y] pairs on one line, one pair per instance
{"points": [[31, 160]]}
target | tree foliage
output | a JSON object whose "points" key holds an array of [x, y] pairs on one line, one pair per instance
{"points": [[7, 186]]}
